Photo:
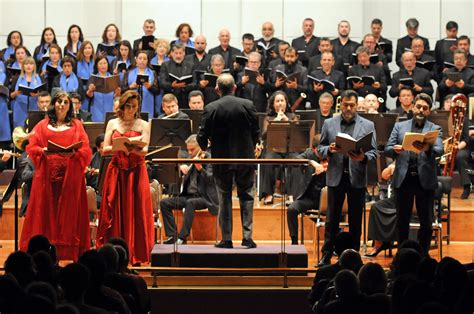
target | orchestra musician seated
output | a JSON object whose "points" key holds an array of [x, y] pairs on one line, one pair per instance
{"points": [[199, 192]]}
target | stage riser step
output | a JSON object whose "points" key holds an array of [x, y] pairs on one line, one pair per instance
{"points": [[207, 256]]}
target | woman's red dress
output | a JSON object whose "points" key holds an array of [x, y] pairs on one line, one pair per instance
{"points": [[126, 209], [57, 207]]}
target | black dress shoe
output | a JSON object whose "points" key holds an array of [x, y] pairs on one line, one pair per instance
{"points": [[249, 243], [224, 245], [325, 260], [170, 240], [466, 192], [385, 246]]}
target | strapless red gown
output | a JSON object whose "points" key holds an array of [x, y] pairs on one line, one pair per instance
{"points": [[57, 207], [126, 209]]}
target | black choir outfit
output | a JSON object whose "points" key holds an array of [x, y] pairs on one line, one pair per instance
{"points": [[178, 69], [344, 51], [420, 77], [310, 48], [334, 76], [372, 70], [404, 44], [293, 94]]}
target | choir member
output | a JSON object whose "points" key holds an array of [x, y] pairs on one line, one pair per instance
{"points": [[68, 80], [199, 59], [254, 90], [384, 45], [126, 208], [268, 44], [325, 45], [423, 60], [196, 100], [225, 49], [85, 67], [148, 88], [162, 47], [52, 66], [420, 78], [178, 67], [209, 91], [292, 87], [343, 46], [404, 43], [282, 46], [444, 47], [14, 39], [327, 72], [365, 68], [307, 44], [464, 43], [100, 103], [20, 103], [57, 207], [75, 38], [41, 53], [184, 32], [377, 57], [149, 28], [110, 41], [14, 63], [465, 82], [248, 44], [124, 61], [5, 130]]}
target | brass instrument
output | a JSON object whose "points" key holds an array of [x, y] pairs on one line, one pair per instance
{"points": [[297, 102], [19, 137], [458, 110], [338, 105]]}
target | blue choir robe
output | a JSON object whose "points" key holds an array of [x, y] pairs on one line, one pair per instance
{"points": [[40, 52], [5, 129], [83, 71], [48, 78], [10, 50], [148, 97], [71, 84], [101, 103], [158, 96], [23, 103]]}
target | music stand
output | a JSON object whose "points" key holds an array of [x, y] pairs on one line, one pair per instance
{"points": [[93, 130], [286, 137], [443, 119], [111, 115], [195, 116], [34, 117], [290, 136], [12, 188], [383, 123], [165, 173], [169, 131]]}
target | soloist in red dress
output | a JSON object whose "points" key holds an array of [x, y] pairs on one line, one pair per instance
{"points": [[57, 207], [126, 209]]}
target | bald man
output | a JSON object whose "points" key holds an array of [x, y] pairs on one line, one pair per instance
{"points": [[268, 44], [225, 49], [199, 59]]}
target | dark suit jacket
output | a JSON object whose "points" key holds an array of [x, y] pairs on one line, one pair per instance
{"points": [[84, 116], [373, 70], [344, 51], [420, 76], [172, 67], [405, 42], [254, 92], [266, 58], [387, 54], [357, 169], [230, 56], [206, 185], [426, 160], [467, 76], [310, 48], [231, 125], [293, 94]]}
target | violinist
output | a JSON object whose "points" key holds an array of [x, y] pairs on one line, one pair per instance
{"points": [[199, 192]]}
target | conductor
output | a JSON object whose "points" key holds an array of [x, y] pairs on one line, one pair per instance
{"points": [[229, 126]]}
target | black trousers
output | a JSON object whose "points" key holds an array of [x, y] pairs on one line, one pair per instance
{"points": [[301, 205], [462, 161], [224, 178], [190, 204], [411, 191], [355, 202]]}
